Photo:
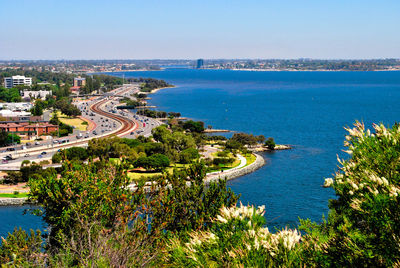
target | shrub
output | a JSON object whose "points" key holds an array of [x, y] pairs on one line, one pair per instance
{"points": [[188, 155], [56, 158], [364, 219], [270, 143], [236, 239], [20, 248], [223, 160]]}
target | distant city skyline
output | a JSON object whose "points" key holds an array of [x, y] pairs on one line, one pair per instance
{"points": [[288, 29]]}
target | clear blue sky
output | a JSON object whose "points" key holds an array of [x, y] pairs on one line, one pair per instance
{"points": [[149, 29]]}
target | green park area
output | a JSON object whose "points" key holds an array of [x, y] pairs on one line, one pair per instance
{"points": [[75, 122], [13, 195]]}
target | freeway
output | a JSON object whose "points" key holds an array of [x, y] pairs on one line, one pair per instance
{"points": [[106, 123]]}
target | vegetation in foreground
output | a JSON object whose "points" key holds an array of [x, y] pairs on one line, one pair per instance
{"points": [[97, 220]]}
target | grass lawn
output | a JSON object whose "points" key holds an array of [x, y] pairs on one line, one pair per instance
{"points": [[75, 122], [137, 175], [250, 158], [225, 167], [13, 195]]}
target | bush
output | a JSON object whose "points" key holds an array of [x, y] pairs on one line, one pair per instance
{"points": [[20, 249], [270, 143], [365, 219], [13, 177], [236, 239], [56, 158], [223, 160], [156, 162], [188, 155]]}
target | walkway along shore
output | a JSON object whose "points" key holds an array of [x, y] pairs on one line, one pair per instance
{"points": [[236, 172]]}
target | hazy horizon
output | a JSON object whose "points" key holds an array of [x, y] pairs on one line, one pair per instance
{"points": [[194, 59]]}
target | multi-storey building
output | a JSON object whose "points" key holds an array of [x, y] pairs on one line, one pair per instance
{"points": [[17, 80], [79, 81], [38, 94]]}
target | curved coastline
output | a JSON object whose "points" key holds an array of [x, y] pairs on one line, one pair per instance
{"points": [[230, 174], [233, 174]]}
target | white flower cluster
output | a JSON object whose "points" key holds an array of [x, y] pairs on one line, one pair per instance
{"points": [[252, 237], [328, 182], [357, 178], [241, 212], [286, 239], [260, 237]]}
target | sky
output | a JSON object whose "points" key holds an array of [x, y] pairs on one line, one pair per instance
{"points": [[210, 29]]}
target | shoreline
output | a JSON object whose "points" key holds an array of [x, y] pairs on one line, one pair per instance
{"points": [[158, 89], [18, 201], [292, 70], [233, 174]]}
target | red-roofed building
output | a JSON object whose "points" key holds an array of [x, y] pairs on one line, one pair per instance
{"points": [[28, 129]]}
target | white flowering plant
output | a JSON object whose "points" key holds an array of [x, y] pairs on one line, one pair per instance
{"points": [[365, 218], [237, 238]]}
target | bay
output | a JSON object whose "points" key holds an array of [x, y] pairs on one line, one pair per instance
{"points": [[308, 110], [305, 109]]}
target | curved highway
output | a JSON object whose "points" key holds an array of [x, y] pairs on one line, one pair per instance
{"points": [[128, 125]]}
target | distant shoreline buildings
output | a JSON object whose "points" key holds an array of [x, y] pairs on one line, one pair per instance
{"points": [[200, 64]]}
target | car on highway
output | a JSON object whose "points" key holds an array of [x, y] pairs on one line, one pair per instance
{"points": [[37, 143], [43, 153], [7, 157], [26, 155]]}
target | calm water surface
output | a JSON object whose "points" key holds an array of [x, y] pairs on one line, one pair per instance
{"points": [[304, 109]]}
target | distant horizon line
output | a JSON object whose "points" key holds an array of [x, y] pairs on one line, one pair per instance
{"points": [[194, 59]]}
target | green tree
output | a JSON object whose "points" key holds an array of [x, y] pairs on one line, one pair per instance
{"points": [[56, 158], [193, 126], [188, 155], [37, 110], [270, 143], [77, 153]]}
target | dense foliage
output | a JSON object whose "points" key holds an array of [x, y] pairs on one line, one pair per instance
{"points": [[99, 218], [9, 94], [149, 84], [9, 138]]}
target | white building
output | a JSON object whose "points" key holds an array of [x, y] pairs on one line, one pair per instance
{"points": [[9, 113], [17, 80], [39, 94], [16, 106]]}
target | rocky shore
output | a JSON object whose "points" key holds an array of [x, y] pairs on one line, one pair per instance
{"points": [[278, 147], [235, 173], [13, 201]]}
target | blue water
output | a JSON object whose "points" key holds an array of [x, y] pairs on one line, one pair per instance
{"points": [[13, 216], [305, 109]]}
